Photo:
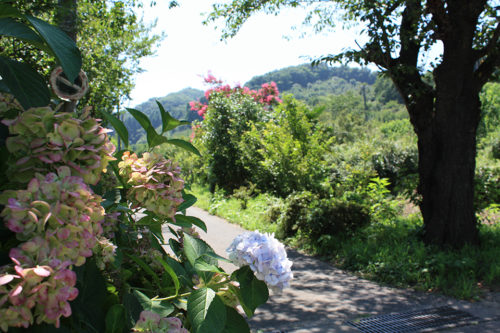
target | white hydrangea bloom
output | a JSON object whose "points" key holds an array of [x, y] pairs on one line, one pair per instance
{"points": [[265, 255]]}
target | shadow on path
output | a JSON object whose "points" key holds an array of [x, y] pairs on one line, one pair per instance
{"points": [[322, 298]]}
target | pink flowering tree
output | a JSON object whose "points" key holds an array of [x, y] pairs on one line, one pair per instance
{"points": [[227, 114], [82, 243]]}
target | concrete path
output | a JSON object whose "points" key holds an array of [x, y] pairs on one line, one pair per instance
{"points": [[322, 298]]}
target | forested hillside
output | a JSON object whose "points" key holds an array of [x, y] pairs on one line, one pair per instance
{"points": [[340, 89]]}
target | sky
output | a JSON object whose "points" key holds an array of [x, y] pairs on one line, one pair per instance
{"points": [[190, 50]]}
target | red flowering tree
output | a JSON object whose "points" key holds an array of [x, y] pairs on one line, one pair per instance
{"points": [[227, 114]]}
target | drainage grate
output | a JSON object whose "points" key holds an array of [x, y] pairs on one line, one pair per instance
{"points": [[415, 321]]}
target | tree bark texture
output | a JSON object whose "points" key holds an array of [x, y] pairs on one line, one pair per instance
{"points": [[445, 117], [446, 122]]}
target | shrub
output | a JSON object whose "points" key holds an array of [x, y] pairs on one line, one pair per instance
{"points": [[400, 166], [333, 217], [294, 213], [487, 190]]}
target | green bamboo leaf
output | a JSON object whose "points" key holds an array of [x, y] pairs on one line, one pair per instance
{"points": [[63, 47], [206, 311], [253, 291], [118, 126], [115, 319], [25, 84], [169, 122], [144, 121], [235, 323], [12, 28]]}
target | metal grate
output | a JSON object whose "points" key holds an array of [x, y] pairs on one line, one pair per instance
{"points": [[415, 321]]}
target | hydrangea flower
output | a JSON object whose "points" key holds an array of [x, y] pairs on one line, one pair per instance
{"points": [[58, 220], [39, 291], [43, 139], [57, 215], [156, 183], [265, 255], [150, 322]]}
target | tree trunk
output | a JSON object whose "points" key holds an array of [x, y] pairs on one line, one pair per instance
{"points": [[447, 153], [66, 18]]}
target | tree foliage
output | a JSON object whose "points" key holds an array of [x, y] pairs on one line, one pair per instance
{"points": [[444, 111], [112, 39]]}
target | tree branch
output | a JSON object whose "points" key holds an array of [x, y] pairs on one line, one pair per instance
{"points": [[439, 16], [491, 44]]}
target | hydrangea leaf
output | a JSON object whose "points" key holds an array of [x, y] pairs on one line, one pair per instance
{"points": [[163, 308], [253, 291], [115, 319], [191, 220], [235, 323], [194, 248], [189, 200], [206, 311], [170, 272]]}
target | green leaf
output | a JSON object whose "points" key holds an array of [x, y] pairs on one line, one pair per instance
{"points": [[235, 323], [145, 267], [194, 248], [115, 319], [88, 307], [9, 11], [133, 307], [12, 28], [163, 308], [202, 266], [29, 88], [184, 145], [169, 122], [63, 47], [189, 200], [190, 220], [170, 272], [144, 121], [206, 311], [118, 126], [253, 291]]}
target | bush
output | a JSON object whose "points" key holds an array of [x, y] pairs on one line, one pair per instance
{"points": [[334, 217], [294, 213], [314, 217], [487, 191], [400, 166]]}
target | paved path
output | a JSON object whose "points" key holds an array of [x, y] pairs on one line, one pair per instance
{"points": [[322, 298]]}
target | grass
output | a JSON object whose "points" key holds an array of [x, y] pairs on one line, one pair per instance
{"points": [[390, 252], [254, 217]]}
